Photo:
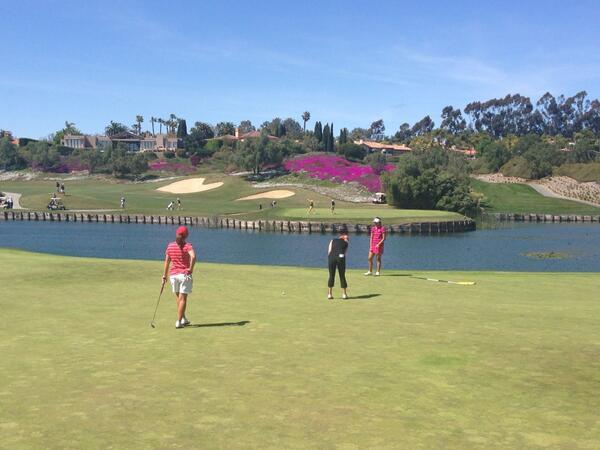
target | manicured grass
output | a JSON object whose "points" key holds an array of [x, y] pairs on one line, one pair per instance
{"points": [[511, 362], [143, 198], [364, 214], [520, 198]]}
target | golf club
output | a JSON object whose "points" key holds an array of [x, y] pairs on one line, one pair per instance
{"points": [[463, 283], [152, 324]]}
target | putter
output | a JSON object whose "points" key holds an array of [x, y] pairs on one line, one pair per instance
{"points": [[152, 324]]}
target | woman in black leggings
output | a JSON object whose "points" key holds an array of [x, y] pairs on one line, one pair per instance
{"points": [[337, 259]]}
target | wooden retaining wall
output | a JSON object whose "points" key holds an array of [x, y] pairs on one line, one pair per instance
{"points": [[225, 222], [510, 217]]}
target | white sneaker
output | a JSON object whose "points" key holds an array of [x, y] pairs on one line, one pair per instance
{"points": [[185, 322], [344, 297], [376, 274], [329, 297], [368, 273], [179, 324]]}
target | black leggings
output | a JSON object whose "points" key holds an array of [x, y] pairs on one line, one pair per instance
{"points": [[340, 263]]}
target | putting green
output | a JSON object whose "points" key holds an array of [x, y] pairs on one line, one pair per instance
{"points": [[406, 363]]}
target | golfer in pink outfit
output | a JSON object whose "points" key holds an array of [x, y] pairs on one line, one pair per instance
{"points": [[376, 245], [181, 257]]}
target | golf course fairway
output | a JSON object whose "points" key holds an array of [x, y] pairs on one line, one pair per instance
{"points": [[511, 362]]}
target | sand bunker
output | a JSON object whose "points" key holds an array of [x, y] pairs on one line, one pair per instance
{"points": [[189, 186], [277, 194]]}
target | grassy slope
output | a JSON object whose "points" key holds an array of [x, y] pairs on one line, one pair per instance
{"points": [[509, 363], [580, 172], [143, 198], [519, 198]]}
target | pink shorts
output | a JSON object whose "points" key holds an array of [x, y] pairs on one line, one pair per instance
{"points": [[377, 250]]}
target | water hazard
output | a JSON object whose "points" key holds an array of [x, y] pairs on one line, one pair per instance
{"points": [[513, 247]]}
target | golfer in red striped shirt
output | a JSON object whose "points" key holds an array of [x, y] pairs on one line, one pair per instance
{"points": [[181, 257]]}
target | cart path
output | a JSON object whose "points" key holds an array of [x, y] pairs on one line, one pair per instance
{"points": [[15, 196], [547, 192]]}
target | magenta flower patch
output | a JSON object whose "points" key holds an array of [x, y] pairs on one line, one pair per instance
{"points": [[337, 169]]}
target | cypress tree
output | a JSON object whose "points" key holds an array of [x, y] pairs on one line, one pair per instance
{"points": [[280, 130], [331, 142], [318, 131], [182, 129], [326, 135]]}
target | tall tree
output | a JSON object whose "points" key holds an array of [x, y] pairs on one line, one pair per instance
{"points": [[280, 130], [153, 121], [160, 124], [224, 128], [292, 128], [452, 120], [326, 135], [246, 126], [305, 118], [203, 130], [182, 129], [404, 133], [343, 139], [139, 119], [114, 128], [359, 133], [331, 140], [425, 125], [318, 131], [172, 123], [377, 130]]}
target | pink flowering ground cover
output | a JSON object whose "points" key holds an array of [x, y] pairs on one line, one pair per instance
{"points": [[338, 169], [167, 166]]}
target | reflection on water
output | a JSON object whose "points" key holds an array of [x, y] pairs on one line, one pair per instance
{"points": [[502, 248]]}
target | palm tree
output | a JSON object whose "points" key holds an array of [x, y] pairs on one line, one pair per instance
{"points": [[172, 122], [160, 123], [115, 128], [305, 118], [152, 121], [139, 119]]}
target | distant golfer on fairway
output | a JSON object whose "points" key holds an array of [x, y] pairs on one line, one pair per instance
{"points": [[181, 257], [376, 245], [337, 259]]}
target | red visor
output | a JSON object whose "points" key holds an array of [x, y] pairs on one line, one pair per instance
{"points": [[183, 231]]}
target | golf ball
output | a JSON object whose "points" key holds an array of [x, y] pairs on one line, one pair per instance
{"points": [[282, 292]]}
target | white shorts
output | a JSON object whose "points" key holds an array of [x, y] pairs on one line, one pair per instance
{"points": [[181, 283]]}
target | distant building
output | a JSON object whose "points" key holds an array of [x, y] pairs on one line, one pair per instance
{"points": [[133, 142], [243, 136], [469, 152], [386, 149]]}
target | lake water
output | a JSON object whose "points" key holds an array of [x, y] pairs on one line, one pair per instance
{"points": [[490, 249]]}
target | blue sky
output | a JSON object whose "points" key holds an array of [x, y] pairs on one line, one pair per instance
{"points": [[346, 62]]}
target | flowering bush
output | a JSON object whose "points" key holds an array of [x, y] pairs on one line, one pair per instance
{"points": [[168, 166], [337, 169]]}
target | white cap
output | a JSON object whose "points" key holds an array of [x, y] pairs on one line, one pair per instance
{"points": [[376, 220]]}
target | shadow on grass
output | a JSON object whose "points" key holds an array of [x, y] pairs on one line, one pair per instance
{"points": [[223, 324], [397, 275], [362, 297]]}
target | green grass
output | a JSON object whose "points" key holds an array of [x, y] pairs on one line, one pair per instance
{"points": [[580, 172], [511, 362], [520, 198], [143, 198]]}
